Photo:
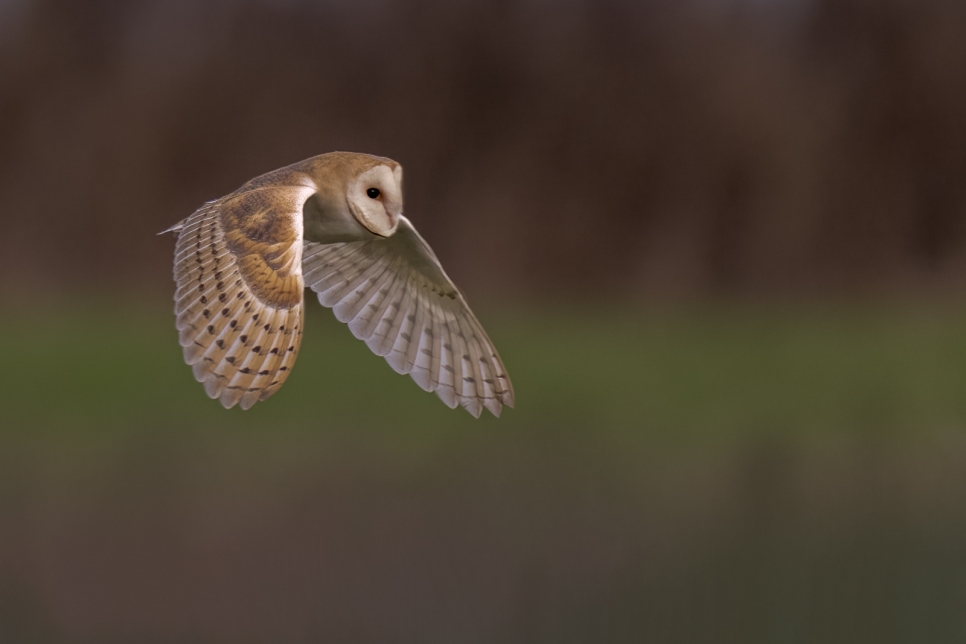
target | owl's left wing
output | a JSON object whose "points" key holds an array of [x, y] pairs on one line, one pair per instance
{"points": [[394, 294], [239, 299]]}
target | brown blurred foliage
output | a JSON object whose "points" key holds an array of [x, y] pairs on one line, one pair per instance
{"points": [[566, 149]]}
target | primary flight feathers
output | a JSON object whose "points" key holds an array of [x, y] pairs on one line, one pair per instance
{"points": [[333, 223]]}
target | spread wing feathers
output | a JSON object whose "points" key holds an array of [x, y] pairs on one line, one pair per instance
{"points": [[393, 294], [239, 299]]}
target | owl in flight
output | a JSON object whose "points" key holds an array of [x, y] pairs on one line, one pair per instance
{"points": [[333, 223]]}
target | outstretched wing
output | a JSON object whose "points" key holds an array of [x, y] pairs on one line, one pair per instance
{"points": [[394, 294], [239, 299]]}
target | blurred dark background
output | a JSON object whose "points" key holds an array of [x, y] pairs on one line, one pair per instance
{"points": [[567, 148], [721, 245]]}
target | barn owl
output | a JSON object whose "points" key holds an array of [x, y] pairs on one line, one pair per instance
{"points": [[333, 223]]}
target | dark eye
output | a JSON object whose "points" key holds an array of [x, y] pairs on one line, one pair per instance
{"points": [[373, 193]]}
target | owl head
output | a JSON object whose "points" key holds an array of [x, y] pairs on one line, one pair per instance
{"points": [[374, 194]]}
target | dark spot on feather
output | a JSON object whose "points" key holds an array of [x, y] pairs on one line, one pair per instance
{"points": [[206, 313], [255, 317], [283, 368], [427, 352], [245, 370], [241, 294], [281, 328], [292, 348], [220, 343], [224, 312], [448, 368], [465, 357], [263, 372], [428, 333], [257, 348], [233, 323], [221, 286], [218, 275], [467, 379], [406, 337], [447, 347], [230, 359], [267, 327], [274, 350], [211, 330], [244, 338], [201, 287], [411, 317], [204, 300], [223, 297]]}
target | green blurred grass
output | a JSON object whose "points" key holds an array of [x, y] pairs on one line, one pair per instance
{"points": [[692, 374], [658, 476]]}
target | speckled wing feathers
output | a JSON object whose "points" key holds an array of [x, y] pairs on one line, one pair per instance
{"points": [[239, 301], [241, 265], [394, 295]]}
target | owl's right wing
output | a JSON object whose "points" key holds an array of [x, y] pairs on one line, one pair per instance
{"points": [[394, 295]]}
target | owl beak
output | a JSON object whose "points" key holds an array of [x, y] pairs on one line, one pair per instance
{"points": [[391, 230], [393, 222], [393, 225]]}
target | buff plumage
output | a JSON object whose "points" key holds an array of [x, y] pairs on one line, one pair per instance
{"points": [[333, 223]]}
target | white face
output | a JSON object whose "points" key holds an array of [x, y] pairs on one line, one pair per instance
{"points": [[375, 199]]}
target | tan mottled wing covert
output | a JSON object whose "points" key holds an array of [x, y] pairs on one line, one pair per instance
{"points": [[239, 299], [393, 294]]}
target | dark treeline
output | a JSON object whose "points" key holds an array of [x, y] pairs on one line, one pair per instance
{"points": [[554, 148]]}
